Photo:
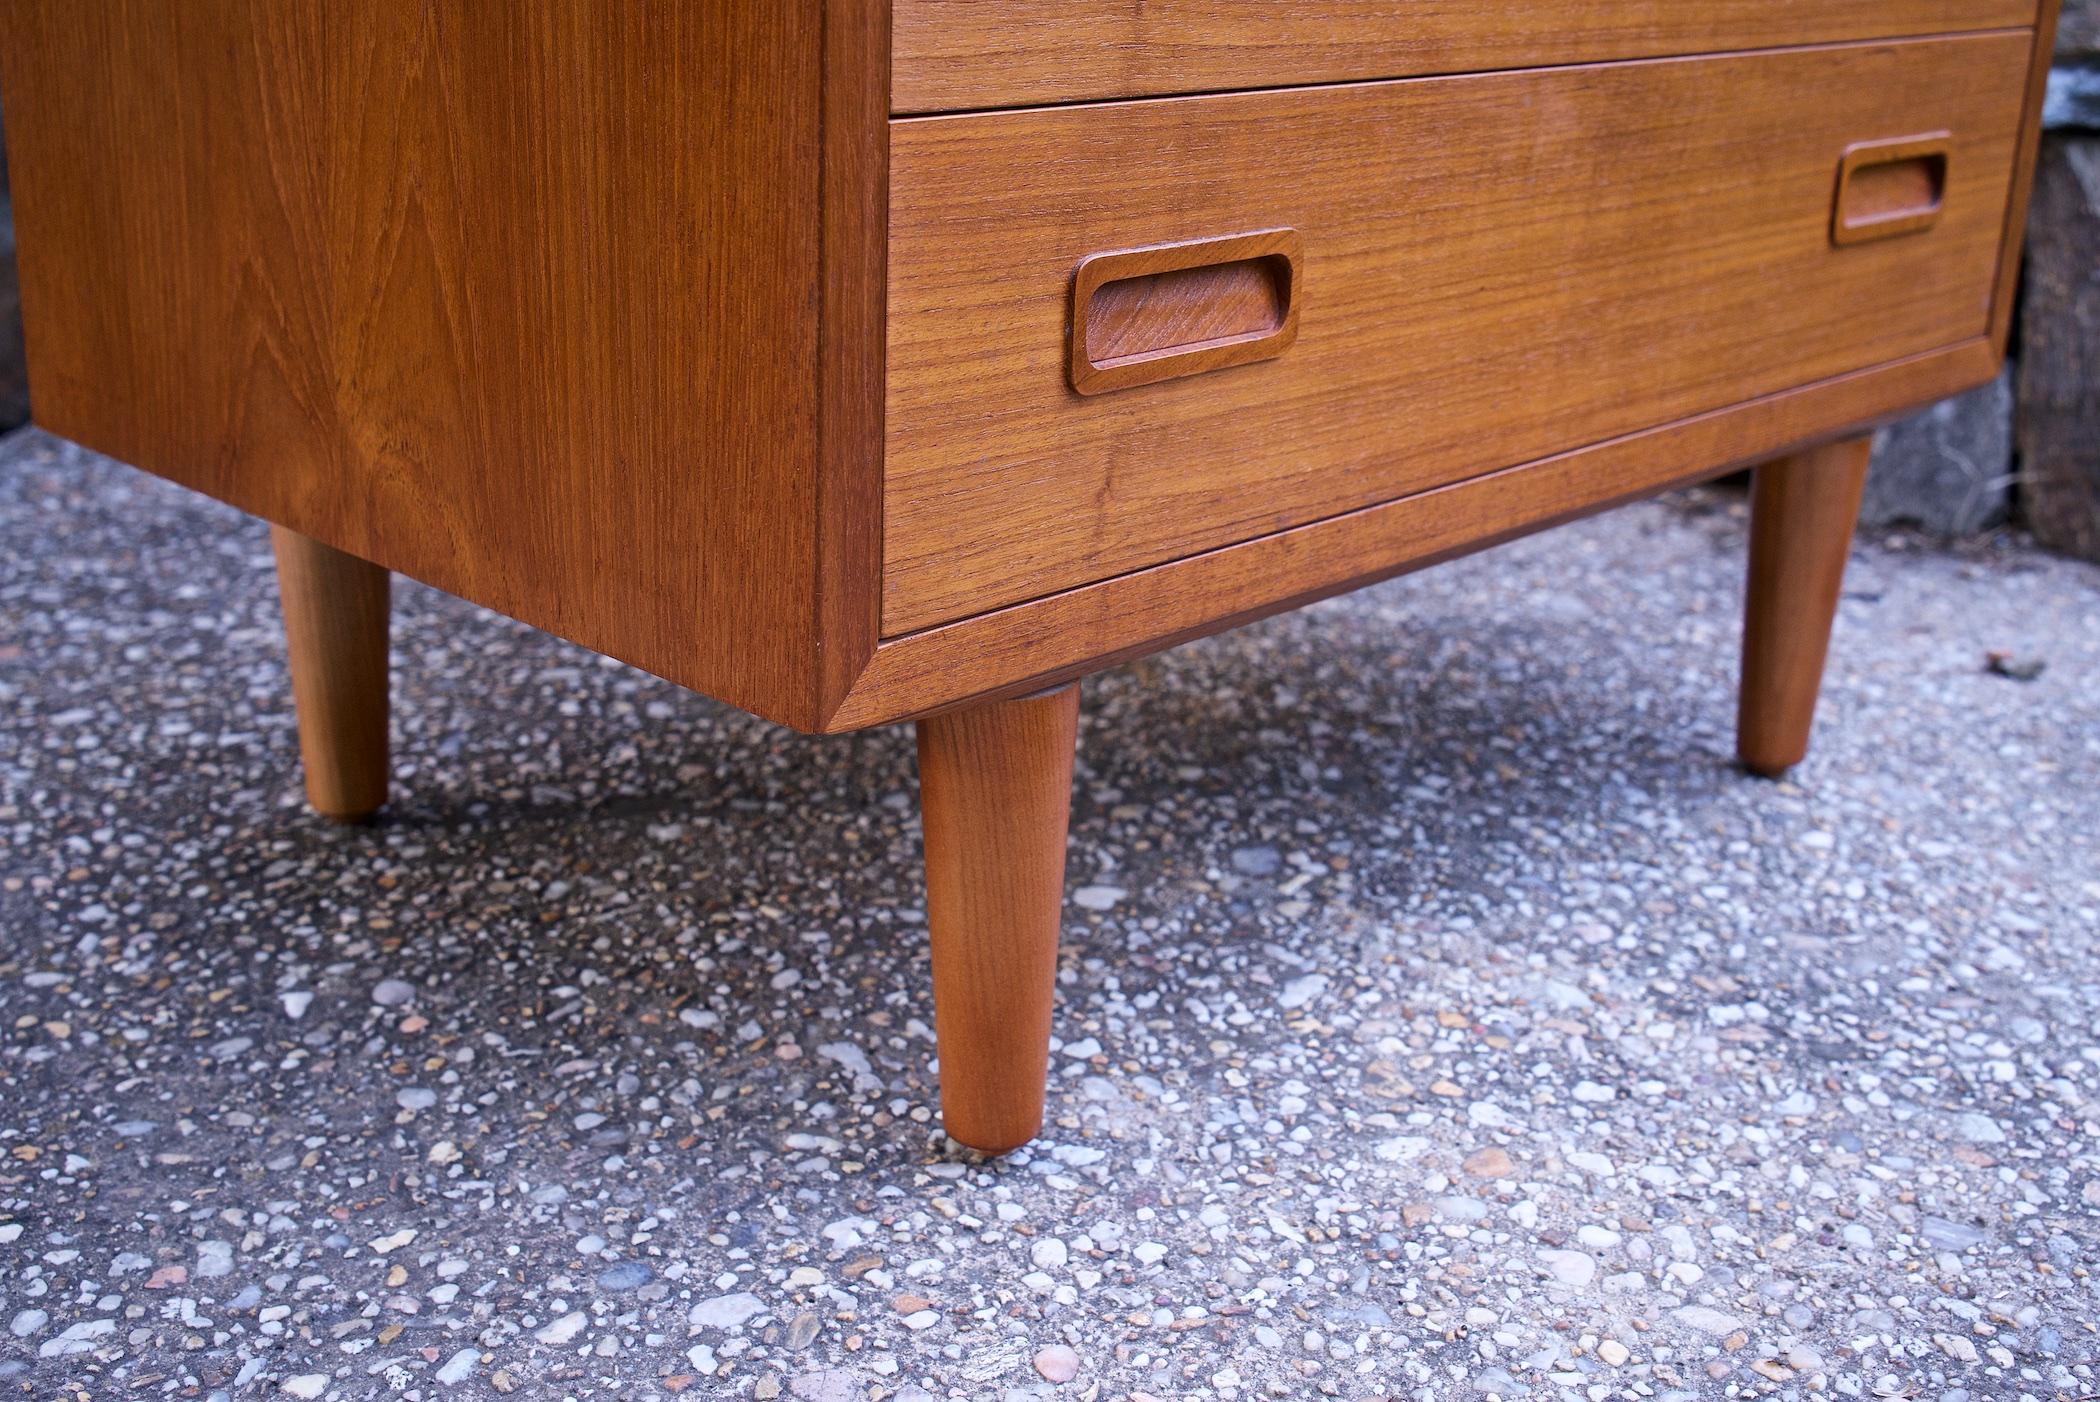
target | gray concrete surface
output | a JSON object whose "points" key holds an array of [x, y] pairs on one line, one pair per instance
{"points": [[1441, 1015]]}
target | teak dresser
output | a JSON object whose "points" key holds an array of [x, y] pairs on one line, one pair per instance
{"points": [[856, 361]]}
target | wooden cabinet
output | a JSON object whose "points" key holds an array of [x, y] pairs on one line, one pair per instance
{"points": [[859, 360]]}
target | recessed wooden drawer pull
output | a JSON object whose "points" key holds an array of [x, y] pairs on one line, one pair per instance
{"points": [[1887, 188], [1151, 314]]}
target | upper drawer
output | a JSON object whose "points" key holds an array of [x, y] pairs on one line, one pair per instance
{"points": [[951, 55], [1446, 275]]}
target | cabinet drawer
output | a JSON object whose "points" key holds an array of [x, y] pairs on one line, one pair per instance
{"points": [[951, 55], [1487, 270]]}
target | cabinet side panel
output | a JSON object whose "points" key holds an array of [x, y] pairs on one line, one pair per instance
{"points": [[515, 299]]}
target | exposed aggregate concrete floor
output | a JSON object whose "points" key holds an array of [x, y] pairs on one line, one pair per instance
{"points": [[1441, 1015]]}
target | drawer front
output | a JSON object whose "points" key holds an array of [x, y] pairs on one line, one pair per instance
{"points": [[1479, 272], [952, 55]]}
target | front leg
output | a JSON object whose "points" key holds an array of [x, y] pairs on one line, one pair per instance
{"points": [[1801, 517], [995, 787], [335, 626]]}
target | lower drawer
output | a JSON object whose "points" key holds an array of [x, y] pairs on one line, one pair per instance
{"points": [[1445, 277]]}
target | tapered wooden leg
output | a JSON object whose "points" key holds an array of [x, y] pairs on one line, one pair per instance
{"points": [[995, 783], [335, 623], [1801, 518]]}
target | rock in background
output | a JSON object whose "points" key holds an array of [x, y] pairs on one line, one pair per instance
{"points": [[2059, 396], [2074, 88], [2074, 97], [1948, 469], [2079, 30], [2059, 345]]}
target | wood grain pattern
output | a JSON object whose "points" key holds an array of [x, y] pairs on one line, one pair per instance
{"points": [[1802, 515], [335, 627], [956, 54], [995, 785], [856, 192], [1079, 631], [1499, 268], [529, 301]]}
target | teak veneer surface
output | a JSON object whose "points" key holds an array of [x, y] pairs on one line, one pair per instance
{"points": [[1496, 269], [958, 54], [525, 300]]}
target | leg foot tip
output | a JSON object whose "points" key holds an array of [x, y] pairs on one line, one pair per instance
{"points": [[349, 817], [986, 1151], [993, 1142]]}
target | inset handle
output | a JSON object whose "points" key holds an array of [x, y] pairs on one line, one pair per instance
{"points": [[1151, 314], [1886, 188]]}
